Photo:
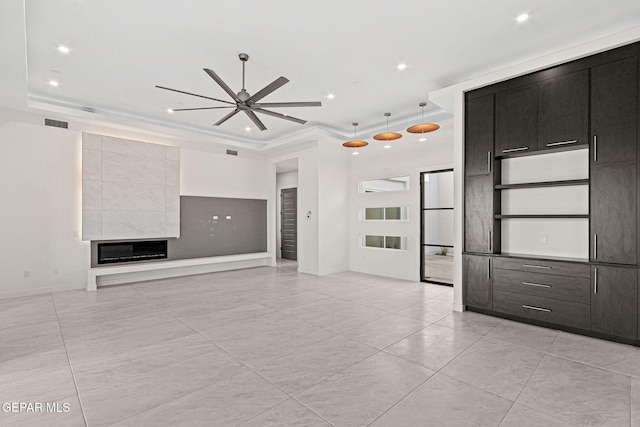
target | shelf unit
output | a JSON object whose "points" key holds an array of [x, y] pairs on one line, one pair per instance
{"points": [[566, 182]]}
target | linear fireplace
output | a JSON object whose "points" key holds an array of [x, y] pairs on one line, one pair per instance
{"points": [[131, 251]]}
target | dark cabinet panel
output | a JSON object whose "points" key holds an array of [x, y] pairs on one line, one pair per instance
{"points": [[614, 110], [478, 214], [479, 136], [477, 281], [563, 110], [614, 301], [543, 266], [564, 288], [517, 120], [613, 212], [550, 310]]}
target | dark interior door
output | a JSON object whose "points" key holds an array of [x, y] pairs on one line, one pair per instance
{"points": [[289, 227]]}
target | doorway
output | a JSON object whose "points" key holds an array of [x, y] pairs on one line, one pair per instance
{"points": [[289, 223], [436, 227]]}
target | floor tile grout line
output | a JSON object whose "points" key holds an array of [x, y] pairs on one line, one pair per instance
{"points": [[257, 373], [66, 351], [409, 393]]}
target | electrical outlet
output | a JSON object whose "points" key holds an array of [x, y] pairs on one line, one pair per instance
{"points": [[55, 271], [26, 273], [543, 240]]}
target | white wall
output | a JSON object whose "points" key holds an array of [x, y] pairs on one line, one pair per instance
{"points": [[40, 213], [283, 180], [406, 157], [333, 239], [40, 218]]}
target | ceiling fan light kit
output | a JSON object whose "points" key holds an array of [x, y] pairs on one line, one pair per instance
{"points": [[355, 143], [245, 102]]}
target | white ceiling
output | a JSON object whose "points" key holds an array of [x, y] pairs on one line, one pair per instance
{"points": [[121, 49]]}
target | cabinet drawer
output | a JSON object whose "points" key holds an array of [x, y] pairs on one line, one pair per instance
{"points": [[566, 288], [566, 313], [543, 266]]}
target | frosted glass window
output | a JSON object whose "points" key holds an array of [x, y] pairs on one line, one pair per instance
{"points": [[437, 189], [374, 241], [374, 213], [392, 242], [392, 213], [438, 227]]}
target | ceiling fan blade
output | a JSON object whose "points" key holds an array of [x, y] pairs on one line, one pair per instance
{"points": [[202, 108], [227, 117], [255, 119], [222, 84], [287, 104], [280, 81], [280, 116], [194, 94]]}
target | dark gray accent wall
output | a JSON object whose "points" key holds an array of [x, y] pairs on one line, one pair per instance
{"points": [[240, 227]]}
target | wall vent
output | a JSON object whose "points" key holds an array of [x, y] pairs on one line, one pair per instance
{"points": [[56, 123], [232, 152]]}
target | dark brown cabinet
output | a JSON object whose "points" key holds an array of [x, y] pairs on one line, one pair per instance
{"points": [[477, 290], [614, 301], [517, 120], [591, 104], [614, 111], [479, 156], [563, 110], [613, 213], [478, 214]]}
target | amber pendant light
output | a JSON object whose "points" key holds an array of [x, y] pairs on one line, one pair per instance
{"points": [[387, 136], [355, 143], [423, 127]]}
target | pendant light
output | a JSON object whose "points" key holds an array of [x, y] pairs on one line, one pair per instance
{"points": [[387, 136], [423, 127], [355, 143]]}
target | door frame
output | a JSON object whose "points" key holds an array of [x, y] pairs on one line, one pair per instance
{"points": [[422, 245]]}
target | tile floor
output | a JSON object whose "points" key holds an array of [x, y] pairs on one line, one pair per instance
{"points": [[272, 347]]}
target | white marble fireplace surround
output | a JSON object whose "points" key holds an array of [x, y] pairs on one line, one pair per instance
{"points": [[130, 189]]}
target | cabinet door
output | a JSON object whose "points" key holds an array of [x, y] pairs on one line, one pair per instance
{"points": [[614, 110], [517, 120], [478, 214], [563, 110], [477, 281], [613, 212], [614, 298], [479, 136]]}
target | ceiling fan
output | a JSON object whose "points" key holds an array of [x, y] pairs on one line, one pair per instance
{"points": [[243, 101]]}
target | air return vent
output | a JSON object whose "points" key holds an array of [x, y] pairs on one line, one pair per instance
{"points": [[232, 152], [56, 123]]}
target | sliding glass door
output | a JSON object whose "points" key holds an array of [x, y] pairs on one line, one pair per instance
{"points": [[436, 235]]}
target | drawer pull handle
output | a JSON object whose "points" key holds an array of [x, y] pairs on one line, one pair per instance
{"points": [[531, 307], [511, 150], [553, 144], [539, 285], [537, 266]]}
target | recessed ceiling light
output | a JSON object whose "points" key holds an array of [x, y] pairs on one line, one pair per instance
{"points": [[169, 110], [522, 17], [387, 146], [331, 96], [53, 83], [402, 66], [423, 139], [247, 129], [355, 153], [64, 49]]}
